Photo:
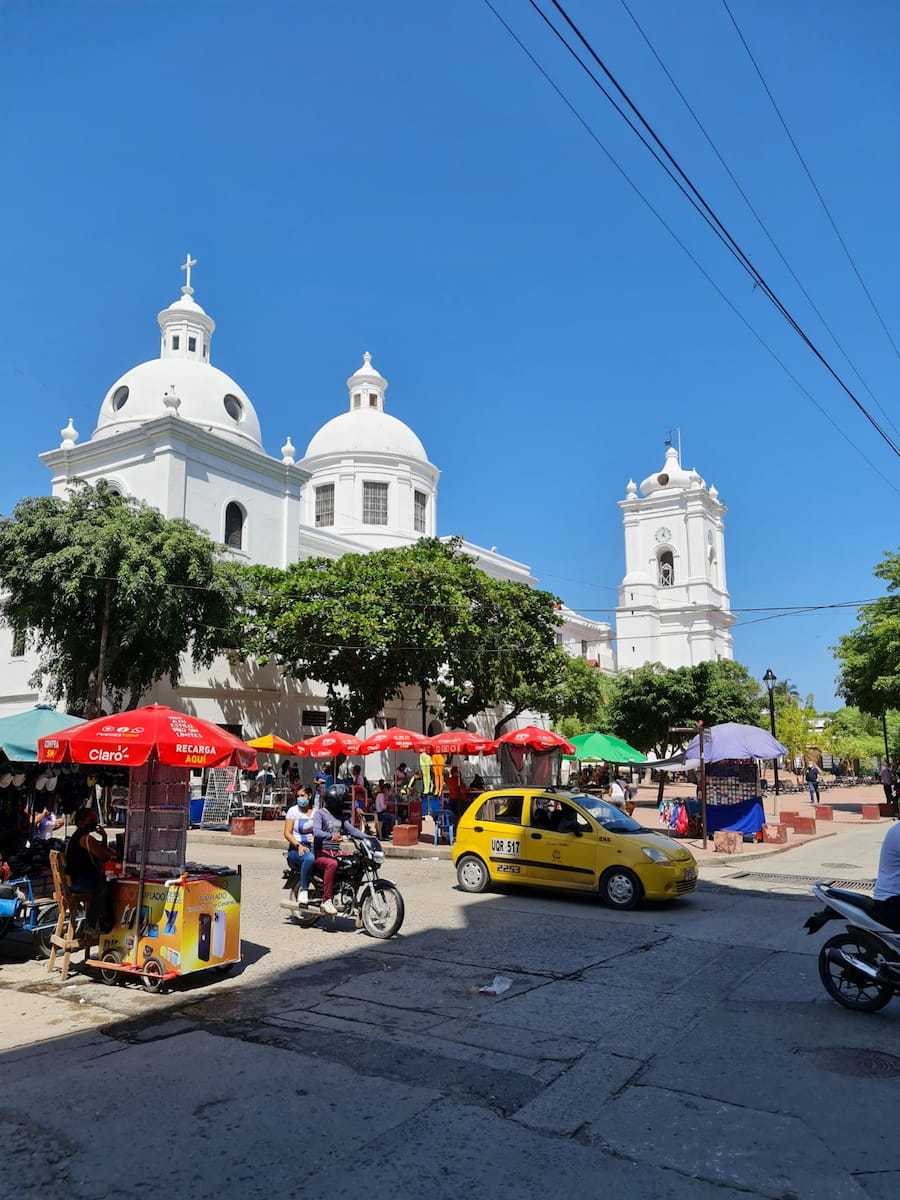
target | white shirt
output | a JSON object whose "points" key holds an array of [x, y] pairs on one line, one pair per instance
{"points": [[888, 882], [302, 823]]}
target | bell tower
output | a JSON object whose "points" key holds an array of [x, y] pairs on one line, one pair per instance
{"points": [[674, 606]]}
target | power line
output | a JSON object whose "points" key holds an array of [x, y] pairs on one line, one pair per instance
{"points": [[812, 182], [755, 214], [668, 228], [686, 185]]}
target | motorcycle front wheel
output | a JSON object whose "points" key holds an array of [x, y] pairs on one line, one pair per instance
{"points": [[382, 914], [843, 983]]}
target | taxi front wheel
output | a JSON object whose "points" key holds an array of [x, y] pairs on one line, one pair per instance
{"points": [[621, 888], [472, 874]]}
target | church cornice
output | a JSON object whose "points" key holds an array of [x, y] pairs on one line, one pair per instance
{"points": [[171, 434]]}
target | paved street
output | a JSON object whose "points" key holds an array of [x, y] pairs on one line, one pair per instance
{"points": [[672, 1051]]}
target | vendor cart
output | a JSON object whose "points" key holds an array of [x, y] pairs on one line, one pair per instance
{"points": [[168, 917]]}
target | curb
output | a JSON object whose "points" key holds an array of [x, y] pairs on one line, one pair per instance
{"points": [[210, 838]]}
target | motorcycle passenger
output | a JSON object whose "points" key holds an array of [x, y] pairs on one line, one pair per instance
{"points": [[298, 833], [329, 826], [887, 884]]}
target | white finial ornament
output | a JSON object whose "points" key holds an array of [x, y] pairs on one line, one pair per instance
{"points": [[287, 452], [367, 358], [69, 436], [631, 488], [171, 401], [189, 262]]}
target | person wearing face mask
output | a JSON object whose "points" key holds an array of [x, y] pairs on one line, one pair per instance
{"points": [[298, 825]]}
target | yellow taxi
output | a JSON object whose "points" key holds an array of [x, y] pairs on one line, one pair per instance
{"points": [[549, 837]]}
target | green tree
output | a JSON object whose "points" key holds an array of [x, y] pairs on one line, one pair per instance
{"points": [[869, 656], [581, 704], [368, 625], [649, 701], [852, 736], [111, 593]]}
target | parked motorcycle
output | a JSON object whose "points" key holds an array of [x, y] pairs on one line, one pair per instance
{"points": [[861, 967], [358, 892]]}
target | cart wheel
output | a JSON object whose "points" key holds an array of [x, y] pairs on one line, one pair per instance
{"points": [[152, 974], [109, 975], [47, 918]]}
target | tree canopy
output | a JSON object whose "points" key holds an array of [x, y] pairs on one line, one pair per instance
{"points": [[111, 592], [649, 701], [869, 656], [367, 625]]}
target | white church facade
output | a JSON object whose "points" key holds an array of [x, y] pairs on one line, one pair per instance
{"points": [[181, 435]]}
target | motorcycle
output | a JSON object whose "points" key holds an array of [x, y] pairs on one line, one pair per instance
{"points": [[860, 968], [358, 892]]}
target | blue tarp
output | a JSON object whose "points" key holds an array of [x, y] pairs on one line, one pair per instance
{"points": [[747, 816]]}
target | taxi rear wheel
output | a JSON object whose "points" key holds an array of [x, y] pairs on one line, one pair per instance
{"points": [[621, 888], [472, 874]]}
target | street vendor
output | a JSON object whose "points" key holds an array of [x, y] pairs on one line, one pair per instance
{"points": [[45, 822], [87, 854]]}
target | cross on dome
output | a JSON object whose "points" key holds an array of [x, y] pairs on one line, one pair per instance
{"points": [[189, 262]]}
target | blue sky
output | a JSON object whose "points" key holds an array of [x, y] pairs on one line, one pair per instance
{"points": [[395, 175]]}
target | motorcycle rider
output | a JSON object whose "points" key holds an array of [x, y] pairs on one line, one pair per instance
{"points": [[329, 826], [887, 884], [298, 834]]}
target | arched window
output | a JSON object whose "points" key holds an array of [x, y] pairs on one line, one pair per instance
{"points": [[666, 569], [234, 526]]}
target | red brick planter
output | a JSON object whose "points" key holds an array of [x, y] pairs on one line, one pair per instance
{"points": [[803, 824], [728, 841], [774, 834], [871, 812], [243, 826], [405, 835], [824, 812]]}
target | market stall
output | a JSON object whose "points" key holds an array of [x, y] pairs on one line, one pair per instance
{"points": [[729, 758], [168, 917]]}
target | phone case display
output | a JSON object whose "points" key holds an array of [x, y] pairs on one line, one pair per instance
{"points": [[189, 923], [157, 819], [731, 781]]}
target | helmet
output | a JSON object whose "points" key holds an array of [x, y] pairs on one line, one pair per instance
{"points": [[336, 798]]}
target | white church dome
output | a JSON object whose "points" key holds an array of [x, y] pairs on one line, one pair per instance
{"points": [[369, 431], [181, 381], [208, 397], [366, 428]]}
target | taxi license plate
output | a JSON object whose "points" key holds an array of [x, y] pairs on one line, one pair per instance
{"points": [[690, 872]]}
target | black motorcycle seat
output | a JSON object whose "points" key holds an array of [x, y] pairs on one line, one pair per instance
{"points": [[866, 903]]}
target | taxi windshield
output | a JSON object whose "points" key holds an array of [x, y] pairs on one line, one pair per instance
{"points": [[608, 815]]}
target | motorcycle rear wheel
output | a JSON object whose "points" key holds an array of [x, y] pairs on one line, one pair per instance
{"points": [[848, 987], [305, 917], [382, 914]]}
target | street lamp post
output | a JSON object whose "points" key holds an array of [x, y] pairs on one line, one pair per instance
{"points": [[769, 679]]}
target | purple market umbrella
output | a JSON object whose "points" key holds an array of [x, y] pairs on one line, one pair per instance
{"points": [[732, 740]]}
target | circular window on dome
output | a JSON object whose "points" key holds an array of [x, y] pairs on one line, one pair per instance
{"points": [[120, 395], [233, 407]]}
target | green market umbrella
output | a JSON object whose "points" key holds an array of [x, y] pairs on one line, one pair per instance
{"points": [[20, 732], [605, 747]]}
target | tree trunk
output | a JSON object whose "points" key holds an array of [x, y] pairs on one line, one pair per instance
{"points": [[95, 681]]}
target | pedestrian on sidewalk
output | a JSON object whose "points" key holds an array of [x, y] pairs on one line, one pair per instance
{"points": [[887, 782], [812, 782]]}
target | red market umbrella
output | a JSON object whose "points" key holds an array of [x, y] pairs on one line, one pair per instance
{"points": [[536, 739], [274, 745], [328, 745], [394, 739], [130, 739], [461, 741]]}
